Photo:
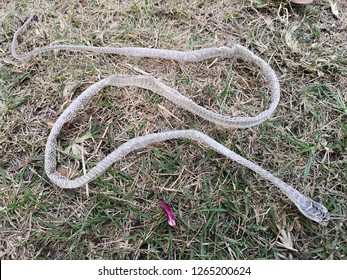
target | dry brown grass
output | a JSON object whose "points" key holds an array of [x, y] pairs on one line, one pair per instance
{"points": [[224, 211]]}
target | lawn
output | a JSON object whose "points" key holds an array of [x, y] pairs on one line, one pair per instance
{"points": [[223, 210]]}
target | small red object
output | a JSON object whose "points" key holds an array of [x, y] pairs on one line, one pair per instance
{"points": [[168, 212]]}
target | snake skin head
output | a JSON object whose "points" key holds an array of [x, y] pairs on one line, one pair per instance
{"points": [[316, 212]]}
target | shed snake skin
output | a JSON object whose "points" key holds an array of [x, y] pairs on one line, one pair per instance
{"points": [[311, 209]]}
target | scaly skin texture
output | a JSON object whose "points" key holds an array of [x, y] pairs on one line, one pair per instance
{"points": [[311, 209]]}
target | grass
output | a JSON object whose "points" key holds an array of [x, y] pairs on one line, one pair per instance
{"points": [[223, 210]]}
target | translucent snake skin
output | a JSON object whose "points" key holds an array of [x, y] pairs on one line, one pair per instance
{"points": [[311, 209]]}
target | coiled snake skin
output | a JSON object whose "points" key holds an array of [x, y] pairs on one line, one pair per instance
{"points": [[311, 209]]}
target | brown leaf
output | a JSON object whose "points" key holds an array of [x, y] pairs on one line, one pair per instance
{"points": [[67, 172], [84, 3], [285, 236], [49, 123]]}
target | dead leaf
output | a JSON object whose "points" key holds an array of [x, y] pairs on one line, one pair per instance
{"points": [[49, 123], [334, 9], [285, 236], [69, 89], [84, 3], [298, 226], [67, 172]]}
